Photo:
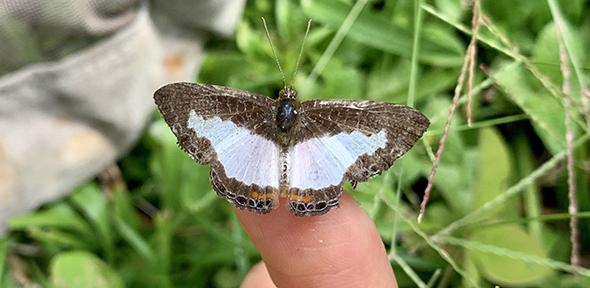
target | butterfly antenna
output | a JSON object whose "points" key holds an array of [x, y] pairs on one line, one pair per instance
{"points": [[273, 52], [301, 50]]}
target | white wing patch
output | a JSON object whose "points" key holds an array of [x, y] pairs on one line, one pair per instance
{"points": [[321, 162], [247, 157]]}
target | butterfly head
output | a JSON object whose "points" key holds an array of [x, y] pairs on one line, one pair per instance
{"points": [[288, 93]]}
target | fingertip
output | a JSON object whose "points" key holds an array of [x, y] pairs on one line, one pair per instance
{"points": [[341, 247], [258, 277]]}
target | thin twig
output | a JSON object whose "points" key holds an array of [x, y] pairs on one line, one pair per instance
{"points": [[472, 59], [569, 138], [443, 139]]}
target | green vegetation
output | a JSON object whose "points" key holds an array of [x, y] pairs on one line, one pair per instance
{"points": [[498, 213]]}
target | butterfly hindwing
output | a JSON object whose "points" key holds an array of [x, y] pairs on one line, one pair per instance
{"points": [[233, 132]]}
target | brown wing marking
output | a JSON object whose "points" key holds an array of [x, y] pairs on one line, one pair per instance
{"points": [[245, 109]]}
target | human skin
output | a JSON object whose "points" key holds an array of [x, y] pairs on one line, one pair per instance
{"points": [[339, 249]]}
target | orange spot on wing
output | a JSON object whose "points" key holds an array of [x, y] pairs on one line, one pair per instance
{"points": [[302, 198], [258, 195]]}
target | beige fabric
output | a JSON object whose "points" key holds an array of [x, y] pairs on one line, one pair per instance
{"points": [[76, 84]]}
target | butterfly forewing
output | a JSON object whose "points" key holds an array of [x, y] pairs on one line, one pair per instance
{"points": [[233, 132]]}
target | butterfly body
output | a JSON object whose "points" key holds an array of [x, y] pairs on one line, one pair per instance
{"points": [[261, 150], [286, 115]]}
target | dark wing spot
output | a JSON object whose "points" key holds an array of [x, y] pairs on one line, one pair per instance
{"points": [[242, 200], [321, 205]]}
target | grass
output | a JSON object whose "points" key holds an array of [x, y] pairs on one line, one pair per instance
{"points": [[498, 213]]}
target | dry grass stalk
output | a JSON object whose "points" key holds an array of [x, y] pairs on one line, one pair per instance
{"points": [[468, 62], [569, 137]]}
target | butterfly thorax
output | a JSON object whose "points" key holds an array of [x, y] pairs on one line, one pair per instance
{"points": [[287, 109]]}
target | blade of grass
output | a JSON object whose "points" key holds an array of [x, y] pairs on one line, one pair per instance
{"points": [[509, 50], [539, 218], [398, 194], [241, 259], [376, 30], [556, 265], [164, 230], [510, 192], [486, 123], [532, 205], [134, 239], [414, 72], [408, 270], [414, 68], [429, 241], [203, 203], [434, 278], [473, 56], [336, 41], [3, 254], [459, 26], [93, 205], [575, 61]]}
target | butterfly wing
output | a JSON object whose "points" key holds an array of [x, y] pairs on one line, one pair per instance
{"points": [[345, 140], [231, 130]]}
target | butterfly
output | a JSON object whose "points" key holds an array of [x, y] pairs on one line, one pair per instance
{"points": [[261, 149]]}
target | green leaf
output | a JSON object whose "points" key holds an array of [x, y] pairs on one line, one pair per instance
{"points": [[508, 270], [438, 47], [546, 55], [494, 170], [82, 269], [546, 112]]}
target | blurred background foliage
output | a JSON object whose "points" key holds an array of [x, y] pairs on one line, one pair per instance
{"points": [[498, 213]]}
